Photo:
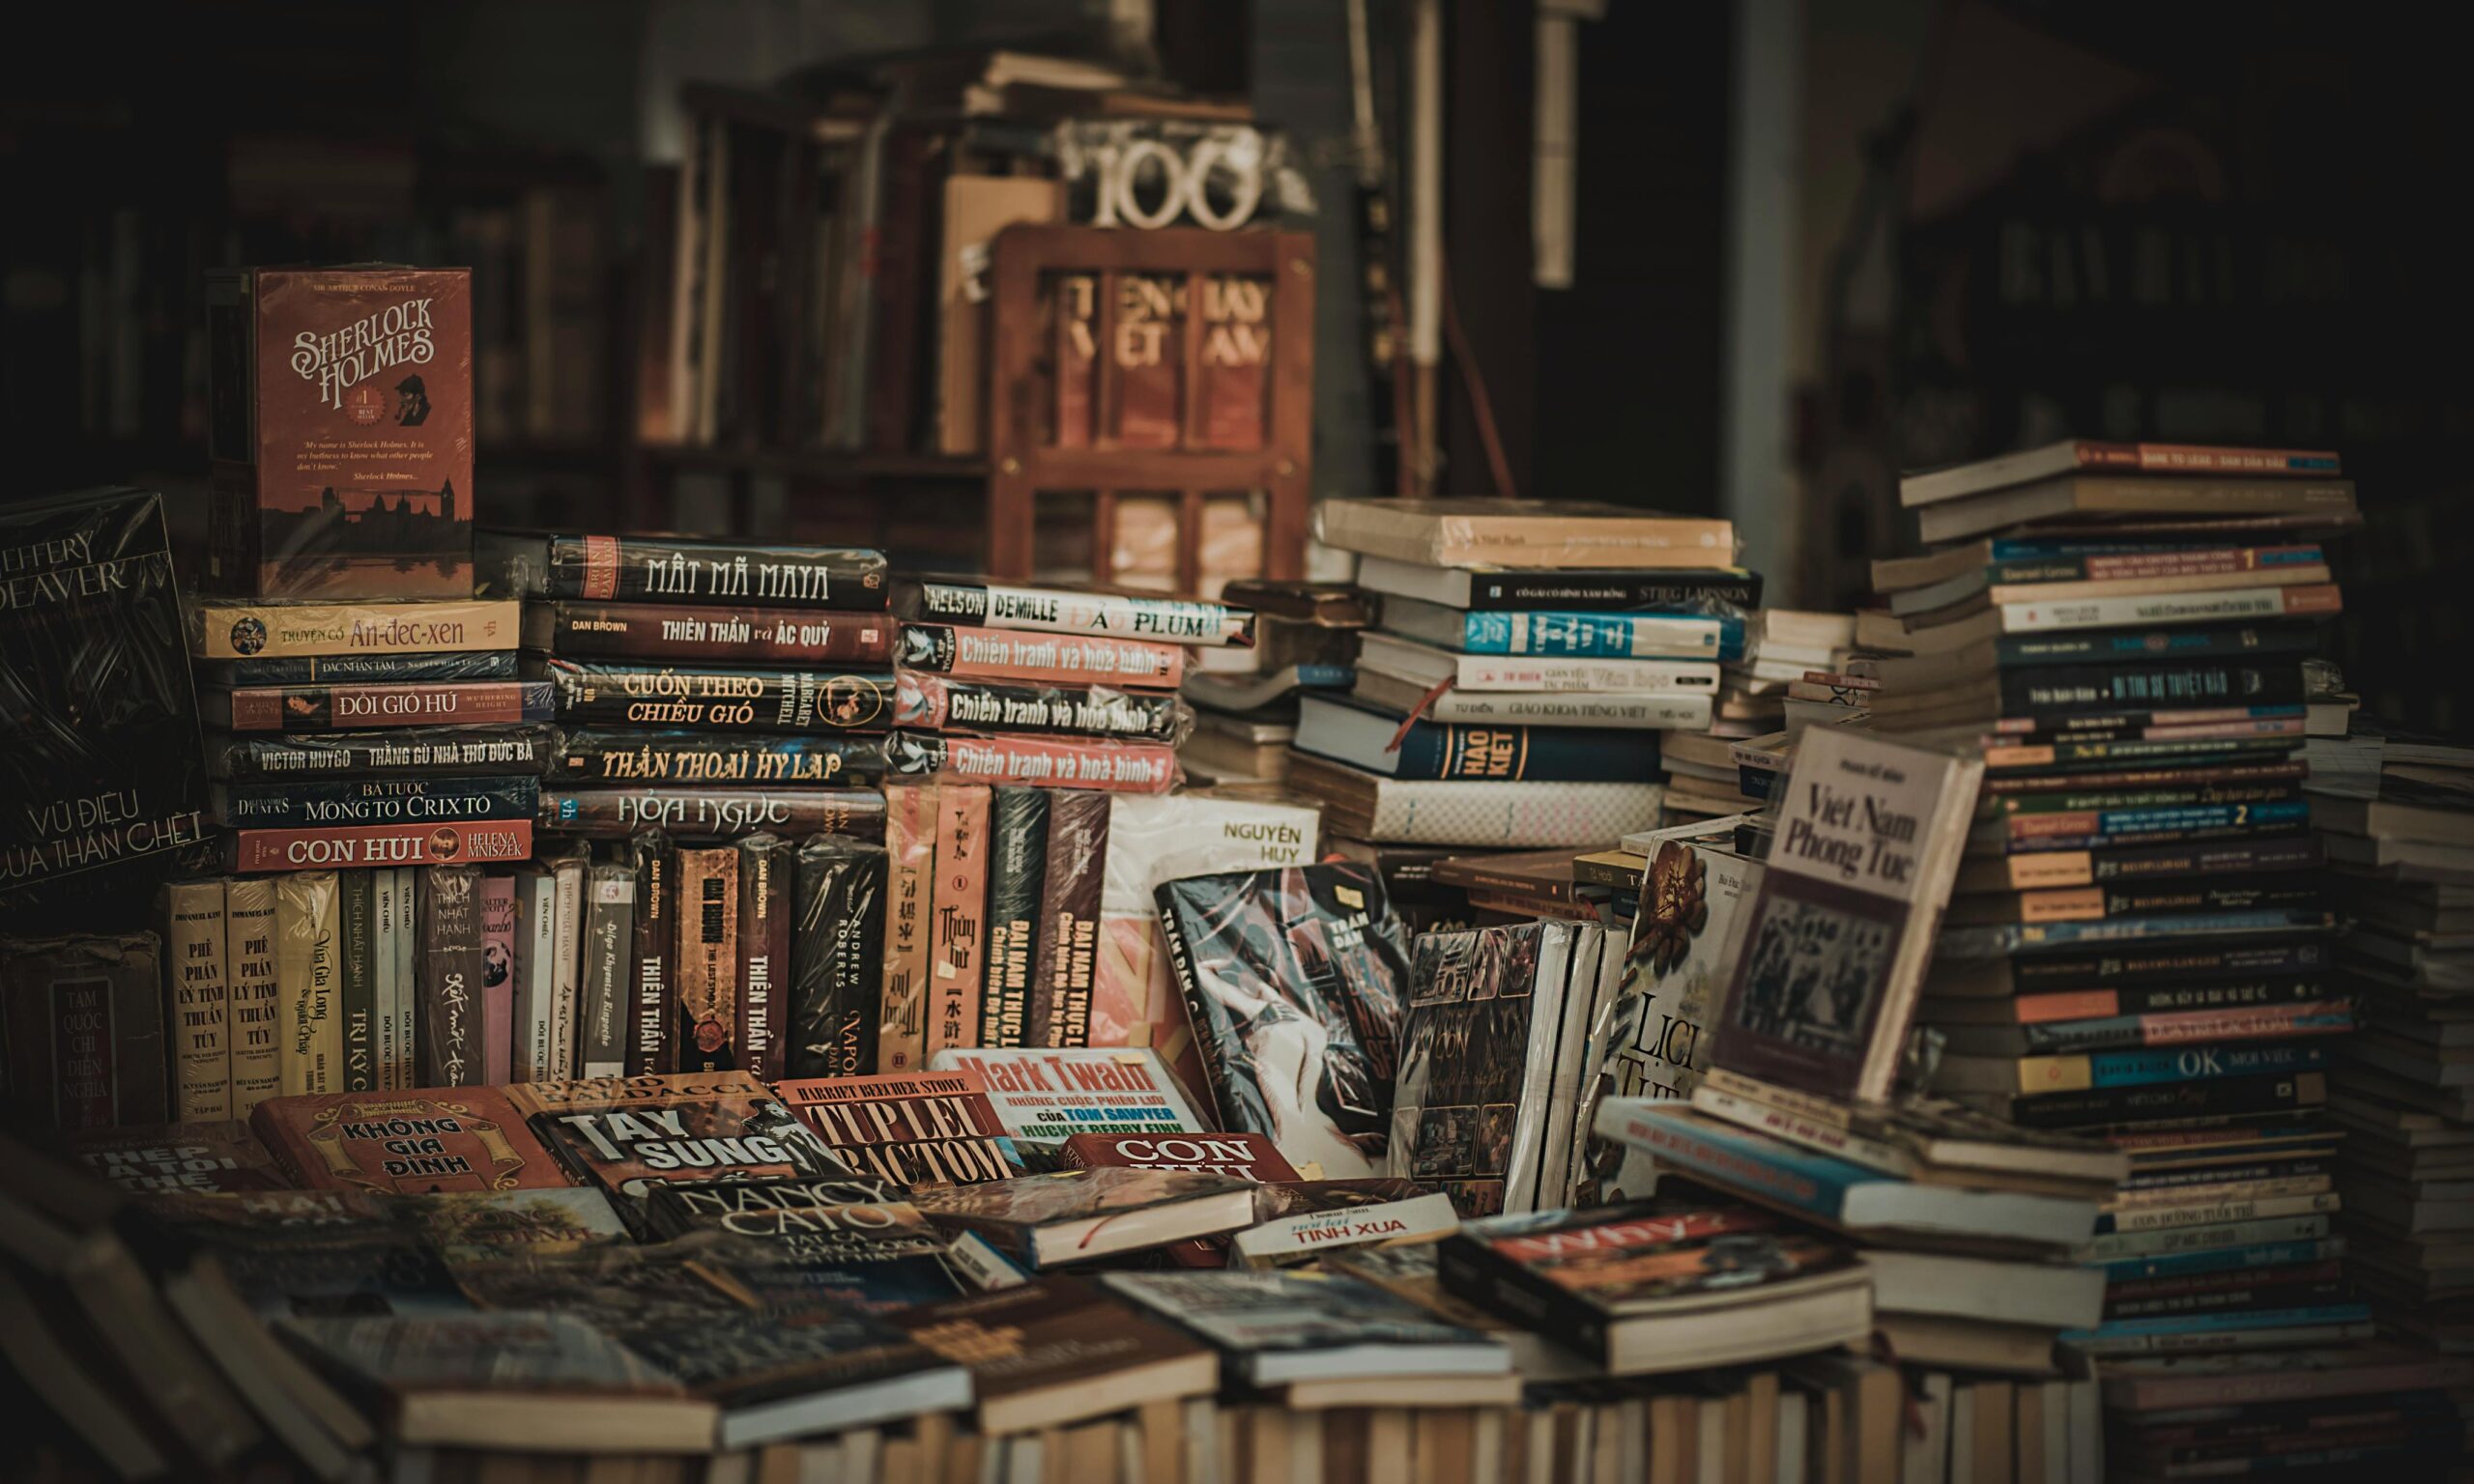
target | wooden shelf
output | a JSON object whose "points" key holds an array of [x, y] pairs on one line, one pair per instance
{"points": [[824, 465]]}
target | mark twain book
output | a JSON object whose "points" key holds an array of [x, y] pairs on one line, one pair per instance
{"points": [[1868, 838], [84, 1022], [339, 433], [1046, 1095], [428, 1139], [922, 1128]]}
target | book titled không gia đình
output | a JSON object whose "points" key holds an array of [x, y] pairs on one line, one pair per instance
{"points": [[412, 1142]]}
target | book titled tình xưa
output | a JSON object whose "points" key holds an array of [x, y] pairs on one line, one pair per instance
{"points": [[1047, 1094], [1082, 1215], [1060, 1350], [428, 1139], [922, 1128], [1868, 838], [1298, 1220]]}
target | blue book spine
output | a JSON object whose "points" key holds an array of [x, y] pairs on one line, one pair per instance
{"points": [[2051, 937], [2279, 814], [2204, 642], [2195, 1063], [1473, 751], [1326, 678], [1798, 1179], [1605, 636], [2183, 1265], [2219, 1324]]}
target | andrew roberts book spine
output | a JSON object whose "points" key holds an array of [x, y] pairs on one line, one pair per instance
{"points": [[649, 1024], [613, 756], [449, 987], [637, 568], [1016, 872], [1065, 611], [1120, 767], [379, 844], [715, 633], [1069, 920], [697, 814], [444, 753], [935, 702], [323, 802], [640, 693], [349, 707], [837, 959], [766, 865]]}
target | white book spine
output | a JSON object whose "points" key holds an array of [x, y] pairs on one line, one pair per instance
{"points": [[1579, 994], [407, 967], [1555, 950], [565, 967], [1676, 711], [2161, 607], [1512, 815], [1529, 672]]}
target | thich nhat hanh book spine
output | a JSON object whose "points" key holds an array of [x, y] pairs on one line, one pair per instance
{"points": [[448, 906], [644, 694], [718, 632], [1064, 611], [638, 567]]}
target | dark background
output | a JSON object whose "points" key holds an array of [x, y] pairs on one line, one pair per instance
{"points": [[2011, 223]]}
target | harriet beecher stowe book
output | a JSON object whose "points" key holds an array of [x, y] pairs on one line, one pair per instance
{"points": [[99, 743], [837, 959], [448, 910], [1058, 1350], [407, 1143], [1059, 1013], [84, 1020], [340, 430], [958, 927], [923, 1129], [1868, 838], [1018, 859], [1296, 979]]}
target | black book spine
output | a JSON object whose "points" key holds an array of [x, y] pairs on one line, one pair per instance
{"points": [[354, 913], [2163, 966], [766, 865], [1068, 918], [2300, 852], [624, 693], [315, 803], [2154, 687], [1611, 592], [1015, 875], [607, 1004], [2211, 897], [837, 959], [725, 634], [693, 758], [649, 1005], [360, 669], [631, 567], [413, 753], [1213, 1026], [449, 979], [2019, 651], [1468, 1270], [2211, 1097]]}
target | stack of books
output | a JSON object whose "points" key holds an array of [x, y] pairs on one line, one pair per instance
{"points": [[1526, 657], [1783, 648], [2371, 1410], [1245, 700], [2136, 944], [2397, 815]]}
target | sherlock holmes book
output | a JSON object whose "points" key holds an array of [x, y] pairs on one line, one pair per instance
{"points": [[99, 740]]}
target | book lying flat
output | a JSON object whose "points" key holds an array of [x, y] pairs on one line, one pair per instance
{"points": [[1394, 655], [1078, 1216], [1601, 589], [1523, 534], [2098, 497], [2075, 455], [1630, 711], [1493, 814], [1385, 742], [1277, 1327], [1603, 635], [1059, 1350]]}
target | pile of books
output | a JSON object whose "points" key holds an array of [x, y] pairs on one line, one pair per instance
{"points": [[1525, 659], [2397, 815], [1245, 699]]}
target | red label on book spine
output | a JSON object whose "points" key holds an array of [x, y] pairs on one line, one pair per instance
{"points": [[601, 566], [382, 845]]}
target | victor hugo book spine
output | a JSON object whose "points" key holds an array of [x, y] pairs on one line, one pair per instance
{"points": [[609, 940], [930, 702], [708, 961], [306, 948], [631, 693], [1017, 870], [837, 959], [1069, 921], [1066, 611], [254, 993], [710, 632], [448, 907], [1124, 768], [358, 707], [190, 918], [358, 978], [498, 977], [766, 867], [648, 568], [84, 1022], [339, 433], [958, 927], [649, 1041], [443, 753], [708, 813], [1060, 659], [910, 855], [593, 756]]}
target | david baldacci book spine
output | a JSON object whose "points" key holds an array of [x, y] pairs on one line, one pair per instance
{"points": [[220, 630], [726, 634], [1061, 659], [837, 959], [311, 1047], [958, 927], [1126, 767], [445, 752], [1868, 838], [650, 1046], [708, 813], [708, 959], [190, 919], [910, 854], [636, 568], [931, 703], [1067, 610], [307, 803], [255, 993], [766, 865], [598, 755], [377, 845], [84, 1022], [631, 693], [1059, 1013], [354, 707], [609, 936], [1017, 866], [448, 907]]}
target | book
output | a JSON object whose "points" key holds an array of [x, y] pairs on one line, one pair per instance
{"points": [[1138, 767], [837, 959], [628, 755], [1059, 1011], [1057, 659], [356, 998], [609, 933], [422, 752], [638, 693], [448, 909], [537, 957], [2079, 497], [1016, 879], [722, 633], [311, 1046], [1429, 666], [2075, 455], [1386, 743], [1692, 894], [224, 629], [307, 670], [189, 923], [958, 946], [348, 847], [1081, 1215], [819, 1371], [392, 703], [410, 1142], [1478, 533], [711, 814], [254, 993], [1934, 1139], [658, 569], [1605, 589], [1494, 813], [707, 960], [920, 1128], [653, 944], [729, 1205], [2133, 1068], [1635, 711], [1275, 1327], [302, 804], [178, 1159], [1058, 1350], [982, 604], [1298, 1220], [2051, 1295], [1597, 635], [766, 866], [498, 977], [1842, 926], [1662, 1286], [935, 702], [1046, 1095], [871, 1257], [1296, 980], [2184, 1382]]}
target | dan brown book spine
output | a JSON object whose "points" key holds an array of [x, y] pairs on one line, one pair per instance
{"points": [[190, 916], [1069, 920], [1018, 865], [722, 633], [911, 856], [765, 866], [837, 959], [306, 934], [449, 908], [83, 1023], [958, 928], [254, 993], [357, 972], [707, 962], [650, 1046]]}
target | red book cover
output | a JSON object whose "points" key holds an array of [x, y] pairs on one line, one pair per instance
{"points": [[464, 841], [1068, 659], [1235, 362], [957, 950], [407, 1143], [382, 703], [1148, 349], [925, 1130], [1239, 1155]]}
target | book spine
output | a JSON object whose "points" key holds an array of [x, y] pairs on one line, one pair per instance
{"points": [[2221, 1261], [726, 634], [358, 973], [2243, 641], [1468, 1272], [449, 906], [537, 915], [2170, 561], [617, 692], [2068, 686], [635, 568], [360, 707], [1795, 1129], [304, 974], [379, 844], [1611, 591], [1059, 1013], [2225, 1212], [2274, 1022], [1487, 672], [1962, 943], [408, 1006], [249, 948], [706, 964], [837, 959], [279, 630], [650, 1048], [566, 965], [498, 977], [1060, 611], [931, 703], [609, 936], [957, 942], [693, 758], [911, 814], [766, 866], [1016, 879], [2232, 604], [1456, 752], [413, 754], [2102, 830], [190, 915], [713, 813], [1602, 636], [351, 668], [1511, 816], [2090, 902], [1120, 767], [1681, 711], [2208, 1099], [2166, 966], [1742, 1164], [385, 921], [1062, 659], [85, 1043], [322, 803]]}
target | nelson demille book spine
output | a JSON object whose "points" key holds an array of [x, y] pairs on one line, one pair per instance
{"points": [[837, 959], [646, 694], [1018, 865], [402, 704], [1072, 610], [714, 632], [444, 753], [636, 568]]}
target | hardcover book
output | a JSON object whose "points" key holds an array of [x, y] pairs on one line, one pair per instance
{"points": [[1273, 1328], [921, 1129], [444, 751], [957, 932], [1843, 923], [339, 433], [630, 692], [1428, 666], [1131, 767], [931, 703], [1056, 659], [659, 570], [837, 959], [1072, 610], [428, 1139], [178, 1159], [1081, 1215], [1058, 1350], [1395, 746], [711, 814], [1296, 980], [726, 633], [448, 909], [1069, 920], [591, 755]]}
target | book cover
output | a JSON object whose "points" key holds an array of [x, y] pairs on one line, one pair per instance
{"points": [[176, 1158], [725, 633], [713, 813], [1475, 1068], [911, 814], [1133, 767], [661, 570], [1259, 1319], [931, 703], [643, 693], [393, 704], [255, 993], [877, 1257], [311, 1049], [221, 630], [356, 978], [707, 962], [1059, 1013], [1296, 981], [309, 803], [958, 944], [921, 1129], [443, 752], [654, 940], [837, 959], [1027, 1342], [631, 756], [1843, 924], [1046, 1095], [603, 990], [84, 1031], [427, 1139], [190, 922], [765, 866], [1011, 1214], [1018, 859], [1057, 659], [498, 977], [1300, 1219], [90, 626], [448, 907]]}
